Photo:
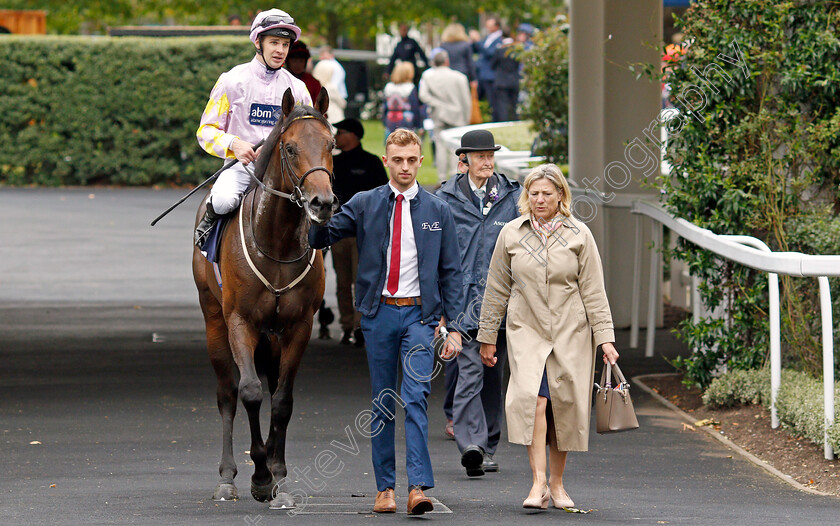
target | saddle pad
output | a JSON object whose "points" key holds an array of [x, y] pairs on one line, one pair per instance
{"points": [[212, 243]]}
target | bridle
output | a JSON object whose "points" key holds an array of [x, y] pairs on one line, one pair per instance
{"points": [[286, 170], [296, 197]]}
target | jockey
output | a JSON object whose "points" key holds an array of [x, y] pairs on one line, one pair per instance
{"points": [[244, 106]]}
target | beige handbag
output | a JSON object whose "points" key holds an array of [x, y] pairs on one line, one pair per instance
{"points": [[613, 407]]}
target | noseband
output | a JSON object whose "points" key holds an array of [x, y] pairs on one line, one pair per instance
{"points": [[286, 170]]}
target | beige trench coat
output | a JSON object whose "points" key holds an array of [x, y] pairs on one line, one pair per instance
{"points": [[557, 315]]}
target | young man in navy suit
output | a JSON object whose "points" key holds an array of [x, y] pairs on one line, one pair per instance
{"points": [[409, 276]]}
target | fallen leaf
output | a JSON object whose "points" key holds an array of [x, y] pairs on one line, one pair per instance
{"points": [[576, 510], [35, 443], [688, 427], [53, 485], [706, 422]]}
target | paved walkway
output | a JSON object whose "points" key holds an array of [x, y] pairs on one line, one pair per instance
{"points": [[107, 402]]}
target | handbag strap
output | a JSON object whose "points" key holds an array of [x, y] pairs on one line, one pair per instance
{"points": [[606, 377], [618, 374]]}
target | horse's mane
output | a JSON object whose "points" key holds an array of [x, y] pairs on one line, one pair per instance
{"points": [[270, 143]]}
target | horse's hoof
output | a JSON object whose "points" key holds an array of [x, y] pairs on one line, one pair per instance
{"points": [[282, 501], [262, 492], [225, 492]]}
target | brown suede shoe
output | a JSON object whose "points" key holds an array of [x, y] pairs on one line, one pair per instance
{"points": [[418, 503], [385, 502]]}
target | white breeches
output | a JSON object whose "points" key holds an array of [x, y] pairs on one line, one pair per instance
{"points": [[228, 189]]}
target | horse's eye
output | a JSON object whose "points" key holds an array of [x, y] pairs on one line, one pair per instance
{"points": [[291, 150], [331, 145]]}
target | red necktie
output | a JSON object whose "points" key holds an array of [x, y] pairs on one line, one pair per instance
{"points": [[394, 272]]}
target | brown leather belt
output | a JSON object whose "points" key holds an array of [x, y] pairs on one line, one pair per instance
{"points": [[401, 302]]}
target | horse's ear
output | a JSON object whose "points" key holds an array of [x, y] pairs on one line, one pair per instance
{"points": [[288, 102], [322, 103]]}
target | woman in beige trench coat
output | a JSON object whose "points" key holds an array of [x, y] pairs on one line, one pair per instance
{"points": [[546, 275]]}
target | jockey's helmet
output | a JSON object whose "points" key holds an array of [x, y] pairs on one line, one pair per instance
{"points": [[274, 22]]}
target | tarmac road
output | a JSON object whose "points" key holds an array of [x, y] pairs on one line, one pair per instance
{"points": [[108, 411]]}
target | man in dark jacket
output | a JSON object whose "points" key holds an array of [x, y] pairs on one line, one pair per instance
{"points": [[407, 50], [482, 202], [506, 69], [486, 50], [355, 171], [411, 277]]}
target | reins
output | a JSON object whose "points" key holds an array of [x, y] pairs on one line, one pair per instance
{"points": [[277, 292]]}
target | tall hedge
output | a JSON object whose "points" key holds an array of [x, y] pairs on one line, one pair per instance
{"points": [[82, 110], [756, 151]]}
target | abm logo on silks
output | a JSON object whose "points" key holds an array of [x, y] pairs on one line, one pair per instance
{"points": [[264, 114]]}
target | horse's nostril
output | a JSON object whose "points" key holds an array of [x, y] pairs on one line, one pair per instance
{"points": [[315, 202]]}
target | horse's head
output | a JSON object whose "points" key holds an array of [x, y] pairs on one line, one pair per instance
{"points": [[300, 158]]}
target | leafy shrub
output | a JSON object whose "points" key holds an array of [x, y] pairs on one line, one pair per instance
{"points": [[799, 403], [81, 110], [757, 154], [741, 386], [546, 81], [800, 407]]}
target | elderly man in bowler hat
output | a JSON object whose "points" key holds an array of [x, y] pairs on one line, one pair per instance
{"points": [[482, 202]]}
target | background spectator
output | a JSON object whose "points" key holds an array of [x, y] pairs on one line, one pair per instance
{"points": [[506, 86], [456, 43], [296, 64], [407, 50], [486, 49], [339, 75], [323, 73], [446, 93], [402, 105]]}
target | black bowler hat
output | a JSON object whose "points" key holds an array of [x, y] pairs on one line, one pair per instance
{"points": [[477, 141], [352, 125]]}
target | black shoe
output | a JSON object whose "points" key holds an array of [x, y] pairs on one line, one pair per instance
{"points": [[489, 465], [347, 338], [324, 333], [472, 459], [359, 337], [204, 226]]}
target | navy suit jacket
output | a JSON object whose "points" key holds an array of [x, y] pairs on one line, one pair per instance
{"points": [[366, 216], [485, 58]]}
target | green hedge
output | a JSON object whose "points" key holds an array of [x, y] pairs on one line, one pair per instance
{"points": [[98, 110], [799, 404]]}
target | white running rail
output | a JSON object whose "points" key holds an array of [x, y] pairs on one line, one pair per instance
{"points": [[753, 253]]}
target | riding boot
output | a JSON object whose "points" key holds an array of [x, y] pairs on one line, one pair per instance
{"points": [[206, 223]]}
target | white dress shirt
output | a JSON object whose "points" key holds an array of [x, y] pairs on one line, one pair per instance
{"points": [[409, 284]]}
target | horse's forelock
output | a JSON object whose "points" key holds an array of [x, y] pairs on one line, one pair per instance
{"points": [[270, 143]]}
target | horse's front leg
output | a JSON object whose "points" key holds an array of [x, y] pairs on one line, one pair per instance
{"points": [[243, 342], [294, 343], [218, 348]]}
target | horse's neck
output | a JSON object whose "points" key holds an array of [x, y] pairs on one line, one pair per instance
{"points": [[279, 225]]}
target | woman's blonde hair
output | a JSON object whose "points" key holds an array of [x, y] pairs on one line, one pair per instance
{"points": [[553, 173], [454, 33], [403, 72]]}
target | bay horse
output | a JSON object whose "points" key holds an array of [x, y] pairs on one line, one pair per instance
{"points": [[260, 320]]}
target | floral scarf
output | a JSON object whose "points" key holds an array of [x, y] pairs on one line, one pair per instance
{"points": [[545, 229]]}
